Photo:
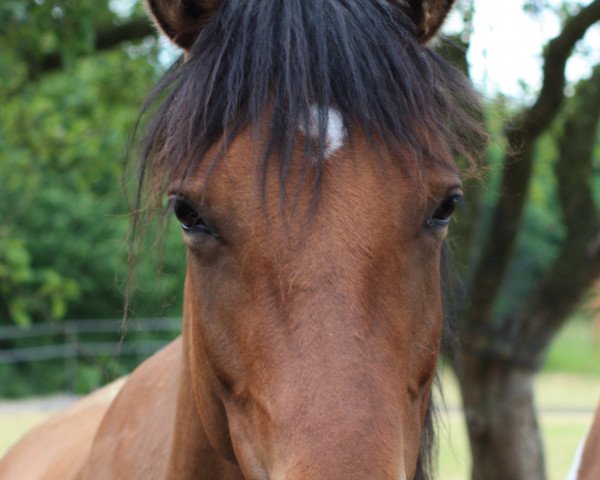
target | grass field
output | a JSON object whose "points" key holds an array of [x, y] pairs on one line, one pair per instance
{"points": [[562, 435], [12, 426], [566, 403], [576, 349]]}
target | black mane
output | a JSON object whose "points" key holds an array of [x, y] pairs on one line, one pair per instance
{"points": [[278, 61], [262, 61]]}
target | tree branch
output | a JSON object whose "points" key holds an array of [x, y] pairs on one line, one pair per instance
{"points": [[522, 134], [107, 37], [576, 266]]}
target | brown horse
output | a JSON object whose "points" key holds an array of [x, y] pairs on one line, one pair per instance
{"points": [[306, 147]]}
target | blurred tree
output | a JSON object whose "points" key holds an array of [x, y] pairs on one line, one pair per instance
{"points": [[38, 36], [526, 250], [73, 75]]}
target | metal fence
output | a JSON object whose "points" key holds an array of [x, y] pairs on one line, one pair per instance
{"points": [[70, 340]]}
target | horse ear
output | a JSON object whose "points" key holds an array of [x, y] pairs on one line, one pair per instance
{"points": [[182, 20], [428, 15]]}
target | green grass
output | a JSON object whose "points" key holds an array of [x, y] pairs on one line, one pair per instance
{"points": [[561, 432], [576, 349], [562, 436], [13, 426]]}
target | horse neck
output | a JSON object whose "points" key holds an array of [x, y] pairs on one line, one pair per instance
{"points": [[192, 456]]}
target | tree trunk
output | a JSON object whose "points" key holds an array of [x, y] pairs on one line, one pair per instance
{"points": [[501, 420], [501, 354]]}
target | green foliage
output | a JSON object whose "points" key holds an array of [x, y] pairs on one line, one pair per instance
{"points": [[54, 376], [541, 234], [25, 292], [32, 29], [63, 140]]}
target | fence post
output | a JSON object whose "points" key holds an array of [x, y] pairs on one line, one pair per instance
{"points": [[71, 355]]}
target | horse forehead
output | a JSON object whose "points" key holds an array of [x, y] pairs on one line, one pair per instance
{"points": [[350, 161], [336, 132], [356, 174]]}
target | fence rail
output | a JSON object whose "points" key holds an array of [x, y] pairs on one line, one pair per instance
{"points": [[69, 342]]}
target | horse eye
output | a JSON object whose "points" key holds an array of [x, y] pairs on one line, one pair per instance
{"points": [[441, 217], [189, 218]]}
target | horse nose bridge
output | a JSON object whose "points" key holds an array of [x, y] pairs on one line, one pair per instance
{"points": [[357, 463], [352, 476], [336, 345], [300, 473], [337, 277], [353, 458], [338, 422], [333, 296]]}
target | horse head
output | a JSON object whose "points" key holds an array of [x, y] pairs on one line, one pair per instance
{"points": [[306, 148]]}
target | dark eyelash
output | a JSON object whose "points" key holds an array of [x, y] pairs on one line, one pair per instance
{"points": [[191, 221], [443, 213]]}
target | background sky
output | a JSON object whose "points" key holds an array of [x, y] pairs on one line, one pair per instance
{"points": [[506, 47]]}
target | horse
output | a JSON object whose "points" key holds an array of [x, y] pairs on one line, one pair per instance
{"points": [[586, 465], [307, 148]]}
